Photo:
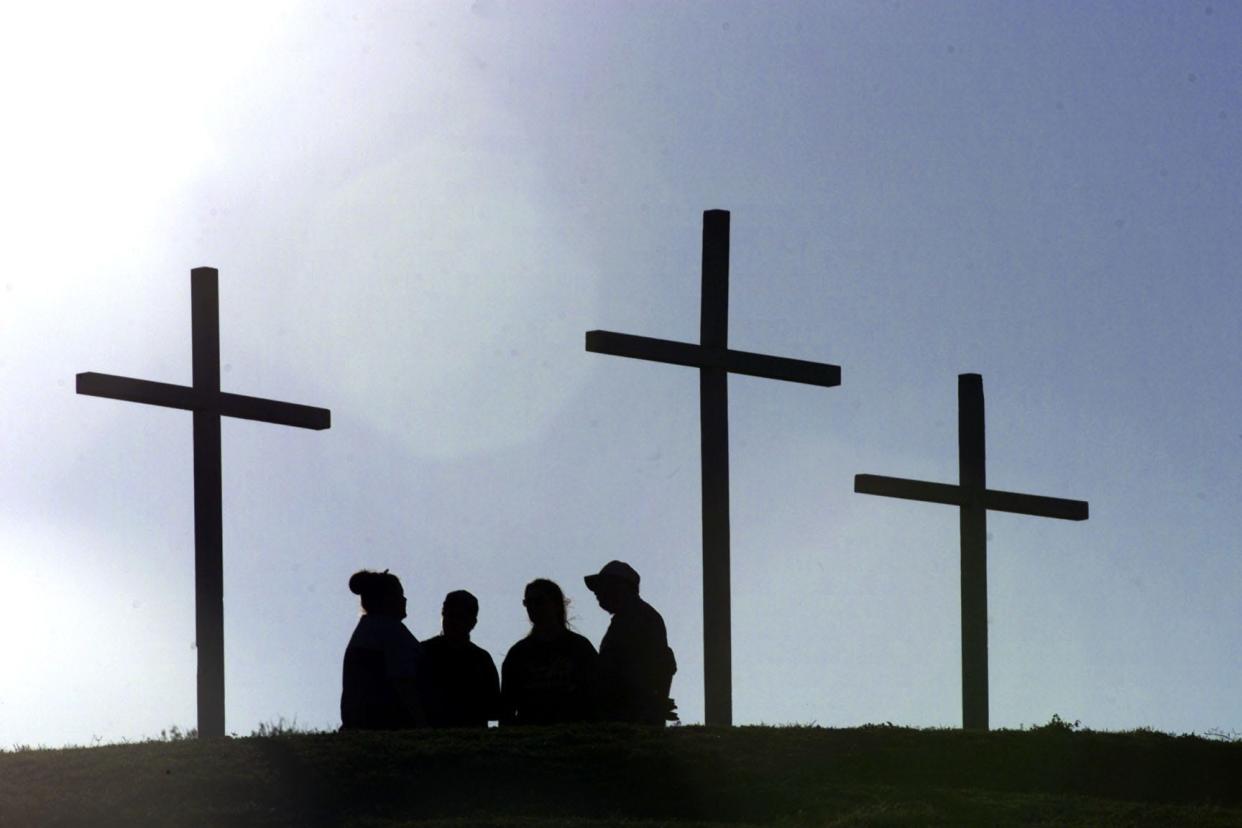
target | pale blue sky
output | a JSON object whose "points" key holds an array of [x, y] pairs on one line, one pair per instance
{"points": [[417, 210]]}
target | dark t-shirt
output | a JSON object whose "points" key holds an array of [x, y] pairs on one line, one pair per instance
{"points": [[462, 688], [548, 682], [381, 654], [636, 666]]}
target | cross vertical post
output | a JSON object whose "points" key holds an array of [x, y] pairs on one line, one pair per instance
{"points": [[208, 517], [715, 361], [208, 404], [973, 519], [714, 435]]}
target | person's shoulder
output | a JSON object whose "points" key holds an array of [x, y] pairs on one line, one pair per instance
{"points": [[645, 608], [360, 631], [649, 614], [371, 633], [520, 648], [481, 659], [392, 632], [637, 622], [581, 642], [403, 632], [636, 615], [478, 652]]}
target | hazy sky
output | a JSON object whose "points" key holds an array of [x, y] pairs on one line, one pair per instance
{"points": [[417, 210]]}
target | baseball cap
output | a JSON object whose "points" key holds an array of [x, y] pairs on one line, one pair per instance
{"points": [[616, 570]]}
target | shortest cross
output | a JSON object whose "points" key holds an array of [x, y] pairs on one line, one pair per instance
{"points": [[974, 499]]}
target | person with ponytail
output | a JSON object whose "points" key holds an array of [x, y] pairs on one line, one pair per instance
{"points": [[380, 679], [549, 676]]}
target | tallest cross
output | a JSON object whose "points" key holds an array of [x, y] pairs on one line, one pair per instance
{"points": [[209, 404], [715, 361]]}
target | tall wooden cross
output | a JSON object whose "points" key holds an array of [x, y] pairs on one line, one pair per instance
{"points": [[715, 360], [974, 499], [209, 404]]}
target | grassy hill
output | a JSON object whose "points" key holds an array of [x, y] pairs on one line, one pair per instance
{"points": [[616, 775]]}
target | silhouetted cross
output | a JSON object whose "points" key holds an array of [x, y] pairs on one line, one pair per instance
{"points": [[209, 404], [974, 499], [715, 361]]}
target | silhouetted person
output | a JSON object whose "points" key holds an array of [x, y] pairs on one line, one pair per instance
{"points": [[636, 666], [379, 685], [462, 687], [549, 676]]}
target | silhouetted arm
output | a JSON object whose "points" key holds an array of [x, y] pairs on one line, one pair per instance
{"points": [[507, 715], [492, 703], [411, 702], [405, 663]]}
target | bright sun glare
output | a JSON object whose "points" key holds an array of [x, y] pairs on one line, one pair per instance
{"points": [[108, 113]]}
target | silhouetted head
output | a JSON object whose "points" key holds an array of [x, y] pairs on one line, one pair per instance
{"points": [[459, 614], [546, 606], [614, 586], [381, 593]]}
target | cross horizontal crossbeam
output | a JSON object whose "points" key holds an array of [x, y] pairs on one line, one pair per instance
{"points": [[696, 356], [220, 402], [993, 499]]}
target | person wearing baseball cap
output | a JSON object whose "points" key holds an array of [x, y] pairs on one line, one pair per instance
{"points": [[636, 666]]}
